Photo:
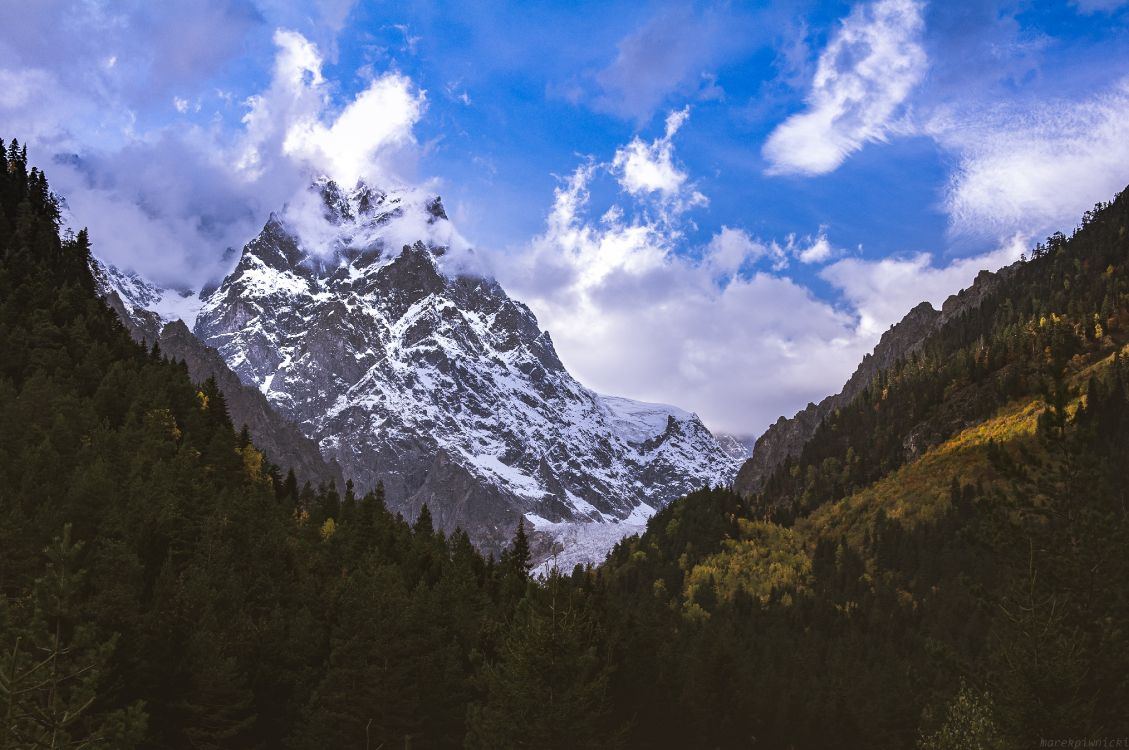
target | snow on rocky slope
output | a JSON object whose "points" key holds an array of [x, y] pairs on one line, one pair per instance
{"points": [[141, 296], [361, 318]]}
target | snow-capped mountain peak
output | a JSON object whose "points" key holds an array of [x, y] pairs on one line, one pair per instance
{"points": [[336, 227], [361, 318]]}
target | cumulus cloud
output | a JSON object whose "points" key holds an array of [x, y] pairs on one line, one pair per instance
{"points": [[863, 77], [1034, 167], [635, 308], [632, 315], [169, 201], [732, 250], [722, 330], [818, 251], [162, 205], [726, 335], [648, 169], [294, 117], [880, 292]]}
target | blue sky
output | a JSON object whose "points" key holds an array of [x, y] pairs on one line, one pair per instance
{"points": [[717, 205]]}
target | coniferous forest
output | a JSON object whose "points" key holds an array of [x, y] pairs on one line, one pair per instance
{"points": [[165, 585]]}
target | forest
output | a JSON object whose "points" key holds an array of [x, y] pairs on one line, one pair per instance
{"points": [[165, 585]]}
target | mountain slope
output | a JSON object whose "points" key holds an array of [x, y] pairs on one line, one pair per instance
{"points": [[160, 589], [786, 437], [153, 315]]}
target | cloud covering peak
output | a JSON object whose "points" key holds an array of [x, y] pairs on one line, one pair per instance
{"points": [[295, 117]]}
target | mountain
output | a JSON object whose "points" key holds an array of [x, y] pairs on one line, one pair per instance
{"points": [[360, 316], [739, 447], [155, 315], [787, 437]]}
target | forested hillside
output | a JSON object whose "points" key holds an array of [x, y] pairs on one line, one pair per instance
{"points": [[944, 563]]}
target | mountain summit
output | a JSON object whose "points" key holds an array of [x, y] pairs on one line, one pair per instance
{"points": [[410, 370]]}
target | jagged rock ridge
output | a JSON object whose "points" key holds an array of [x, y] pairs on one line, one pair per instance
{"points": [[787, 437]]}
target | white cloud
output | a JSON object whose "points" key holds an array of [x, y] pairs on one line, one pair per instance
{"points": [[731, 250], [863, 77], [648, 170], [1037, 167], [819, 251], [168, 202], [381, 117], [880, 292], [294, 116], [632, 316], [725, 334]]}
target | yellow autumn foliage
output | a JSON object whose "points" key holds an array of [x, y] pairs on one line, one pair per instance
{"points": [[765, 557], [253, 463]]}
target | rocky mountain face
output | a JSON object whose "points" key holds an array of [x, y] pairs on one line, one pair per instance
{"points": [[408, 369], [154, 315], [787, 437]]}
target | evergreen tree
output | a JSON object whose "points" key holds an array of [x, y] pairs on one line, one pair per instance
{"points": [[51, 666], [548, 688]]}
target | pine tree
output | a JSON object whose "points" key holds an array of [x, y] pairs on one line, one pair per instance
{"points": [[51, 667], [423, 525], [518, 560], [548, 686]]}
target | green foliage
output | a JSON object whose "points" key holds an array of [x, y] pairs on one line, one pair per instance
{"points": [[219, 605], [52, 664], [547, 686]]}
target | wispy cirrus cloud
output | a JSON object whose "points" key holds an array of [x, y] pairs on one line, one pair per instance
{"points": [[1098, 6], [1033, 166], [864, 75]]}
